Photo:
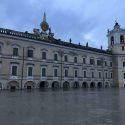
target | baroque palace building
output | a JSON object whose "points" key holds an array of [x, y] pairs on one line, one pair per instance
{"points": [[38, 60]]}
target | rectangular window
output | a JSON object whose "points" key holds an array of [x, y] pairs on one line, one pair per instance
{"points": [[15, 51], [123, 48], [92, 74], [55, 57], [84, 74], [84, 60], [55, 72], [105, 63], [106, 75], [66, 58], [99, 62], [0, 68], [43, 55], [14, 71], [124, 75], [0, 49], [43, 72], [76, 73], [30, 53], [100, 75], [111, 75], [110, 64], [66, 72], [123, 64], [75, 59], [92, 62], [30, 71]]}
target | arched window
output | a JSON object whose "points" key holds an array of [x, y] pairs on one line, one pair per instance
{"points": [[121, 39], [112, 40]]}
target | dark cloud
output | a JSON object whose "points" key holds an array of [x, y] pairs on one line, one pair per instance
{"points": [[83, 20]]}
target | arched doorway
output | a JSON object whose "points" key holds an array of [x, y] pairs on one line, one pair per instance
{"points": [[92, 85], [66, 85], [76, 85], [43, 84], [29, 85], [99, 85], [85, 85], [13, 85], [107, 85], [55, 84]]}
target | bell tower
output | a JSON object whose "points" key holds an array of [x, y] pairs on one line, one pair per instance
{"points": [[116, 44], [116, 39]]}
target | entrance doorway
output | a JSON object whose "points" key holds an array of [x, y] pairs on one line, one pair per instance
{"points": [[43, 84], [66, 85], [55, 85], [76, 85], [85, 85], [12, 88], [92, 85], [99, 85], [29, 85]]}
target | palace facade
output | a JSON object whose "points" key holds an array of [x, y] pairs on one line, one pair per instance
{"points": [[38, 60]]}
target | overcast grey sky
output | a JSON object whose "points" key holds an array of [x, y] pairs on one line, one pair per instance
{"points": [[82, 20]]}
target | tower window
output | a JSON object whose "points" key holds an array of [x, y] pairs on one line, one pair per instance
{"points": [[112, 40], [121, 39]]}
